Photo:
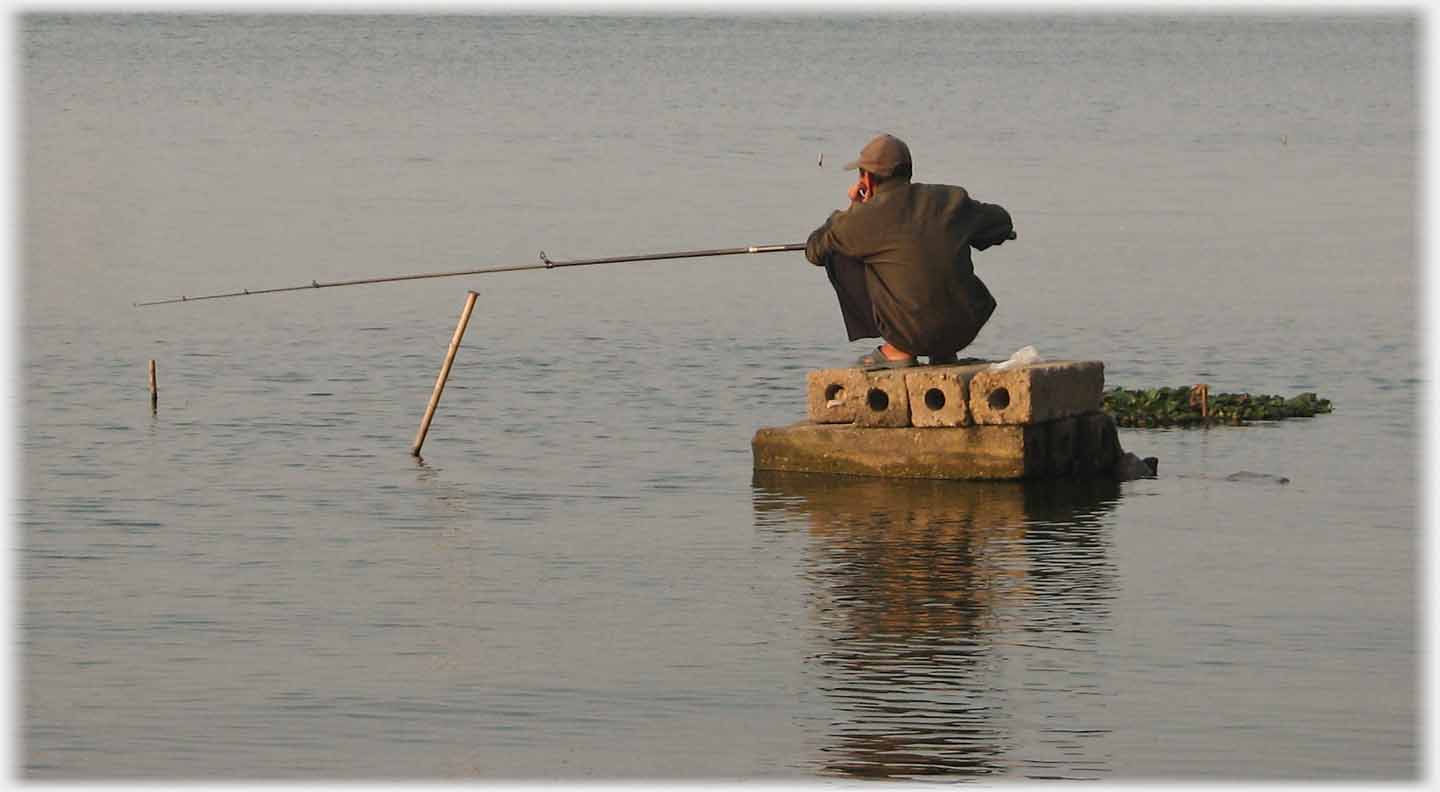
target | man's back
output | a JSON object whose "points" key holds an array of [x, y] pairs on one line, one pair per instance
{"points": [[915, 241]]}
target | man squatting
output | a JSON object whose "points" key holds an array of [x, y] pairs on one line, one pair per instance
{"points": [[899, 259]]}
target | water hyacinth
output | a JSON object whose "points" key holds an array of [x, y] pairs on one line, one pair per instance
{"points": [[1182, 406]]}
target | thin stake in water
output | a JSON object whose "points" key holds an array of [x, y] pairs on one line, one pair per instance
{"points": [[444, 373]]}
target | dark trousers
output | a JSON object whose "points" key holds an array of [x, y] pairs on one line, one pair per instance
{"points": [[847, 275]]}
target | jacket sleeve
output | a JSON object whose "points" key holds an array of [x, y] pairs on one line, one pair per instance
{"points": [[826, 240], [992, 226]]}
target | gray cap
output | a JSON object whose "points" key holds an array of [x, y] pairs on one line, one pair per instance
{"points": [[882, 155]]}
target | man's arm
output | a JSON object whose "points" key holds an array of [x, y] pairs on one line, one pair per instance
{"points": [[825, 240], [822, 242], [992, 226]]}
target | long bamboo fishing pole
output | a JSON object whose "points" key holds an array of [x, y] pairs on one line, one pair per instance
{"points": [[545, 263]]}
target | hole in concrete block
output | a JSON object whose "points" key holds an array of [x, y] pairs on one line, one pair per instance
{"points": [[878, 400], [935, 399], [834, 391], [998, 399]]}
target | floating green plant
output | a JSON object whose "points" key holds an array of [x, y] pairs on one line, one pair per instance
{"points": [[1198, 407]]}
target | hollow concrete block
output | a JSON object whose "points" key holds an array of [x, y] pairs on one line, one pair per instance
{"points": [[939, 395], [834, 395], [1036, 393], [885, 401]]}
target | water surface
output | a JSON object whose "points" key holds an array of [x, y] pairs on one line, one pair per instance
{"points": [[584, 579]]}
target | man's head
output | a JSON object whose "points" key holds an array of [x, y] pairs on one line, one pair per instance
{"points": [[884, 157]]}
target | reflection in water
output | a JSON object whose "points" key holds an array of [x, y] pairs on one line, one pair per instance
{"points": [[920, 588]]}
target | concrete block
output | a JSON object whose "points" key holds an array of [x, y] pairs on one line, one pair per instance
{"points": [[1036, 393], [1097, 444], [1061, 442], [940, 395], [1081, 446], [834, 395], [885, 401]]}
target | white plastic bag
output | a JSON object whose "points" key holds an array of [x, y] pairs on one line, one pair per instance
{"points": [[1023, 356]]}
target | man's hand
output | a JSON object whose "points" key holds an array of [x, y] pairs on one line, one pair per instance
{"points": [[862, 189], [983, 244]]}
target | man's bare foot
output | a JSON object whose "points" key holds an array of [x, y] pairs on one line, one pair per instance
{"points": [[892, 352]]}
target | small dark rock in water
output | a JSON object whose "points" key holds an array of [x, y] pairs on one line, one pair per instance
{"points": [[1130, 467], [1246, 475]]}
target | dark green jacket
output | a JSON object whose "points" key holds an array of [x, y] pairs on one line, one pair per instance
{"points": [[915, 240]]}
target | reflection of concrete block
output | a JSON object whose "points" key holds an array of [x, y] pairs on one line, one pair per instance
{"points": [[939, 395], [832, 395], [885, 401], [1037, 392]]}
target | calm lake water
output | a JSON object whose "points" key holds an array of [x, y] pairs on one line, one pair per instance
{"points": [[584, 579]]}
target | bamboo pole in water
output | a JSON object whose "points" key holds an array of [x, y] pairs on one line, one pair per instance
{"points": [[444, 373], [154, 389]]}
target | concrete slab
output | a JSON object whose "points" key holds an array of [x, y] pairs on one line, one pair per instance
{"points": [[940, 395], [1036, 393], [974, 452], [1074, 446]]}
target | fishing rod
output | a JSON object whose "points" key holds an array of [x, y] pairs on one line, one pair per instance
{"points": [[545, 263]]}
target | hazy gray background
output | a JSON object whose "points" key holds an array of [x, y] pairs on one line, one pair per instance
{"points": [[582, 580]]}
